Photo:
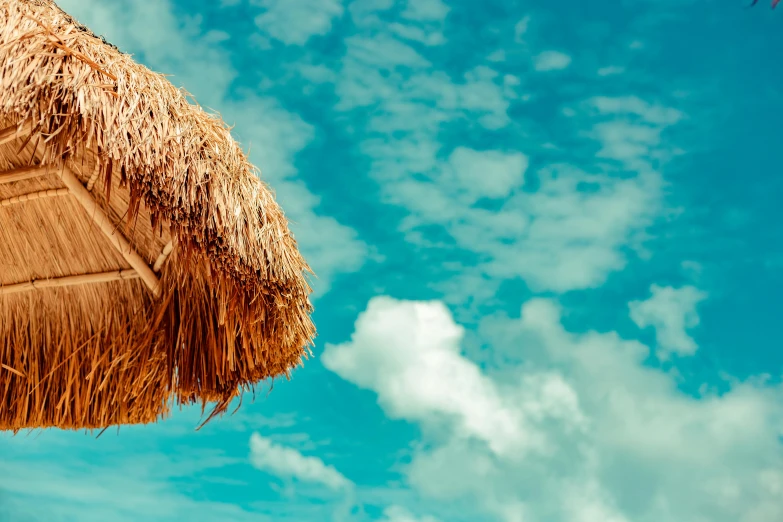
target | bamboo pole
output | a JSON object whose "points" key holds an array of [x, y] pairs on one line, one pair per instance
{"points": [[32, 196], [103, 221], [162, 257], [35, 171], [100, 277], [93, 178]]}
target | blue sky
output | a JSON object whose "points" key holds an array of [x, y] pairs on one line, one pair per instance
{"points": [[549, 267]]}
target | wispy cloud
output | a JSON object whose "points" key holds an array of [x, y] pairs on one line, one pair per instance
{"points": [[610, 70], [294, 22], [150, 485], [400, 514], [290, 463], [567, 234]]}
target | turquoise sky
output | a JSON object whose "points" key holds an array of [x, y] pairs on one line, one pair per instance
{"points": [[549, 260]]}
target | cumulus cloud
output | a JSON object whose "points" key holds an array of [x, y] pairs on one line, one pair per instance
{"points": [[409, 353], [551, 61], [294, 22], [671, 311], [607, 427], [290, 463]]}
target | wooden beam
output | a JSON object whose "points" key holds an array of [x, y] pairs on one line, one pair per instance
{"points": [[101, 277], [162, 257], [32, 196], [14, 132], [103, 221], [35, 171]]}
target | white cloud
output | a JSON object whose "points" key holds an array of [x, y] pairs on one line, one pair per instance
{"points": [[610, 70], [417, 34], [569, 238], [409, 353], [551, 61], [294, 22], [559, 237], [169, 472], [274, 134], [652, 113], [612, 428], [520, 29], [425, 10], [622, 443], [394, 348], [497, 56], [421, 21], [289, 463], [568, 234], [400, 514], [489, 174], [671, 311]]}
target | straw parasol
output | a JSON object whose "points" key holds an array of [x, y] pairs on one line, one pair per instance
{"points": [[142, 261]]}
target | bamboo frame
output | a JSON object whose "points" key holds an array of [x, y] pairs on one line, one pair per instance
{"points": [[22, 173], [93, 179], [32, 196], [103, 221], [57, 282], [162, 257]]}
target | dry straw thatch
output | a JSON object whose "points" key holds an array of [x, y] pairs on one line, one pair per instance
{"points": [[142, 261]]}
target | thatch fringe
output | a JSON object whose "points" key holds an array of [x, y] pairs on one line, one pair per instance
{"points": [[234, 307], [89, 370], [123, 367]]}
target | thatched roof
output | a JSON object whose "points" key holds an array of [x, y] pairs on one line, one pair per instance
{"points": [[143, 262]]}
